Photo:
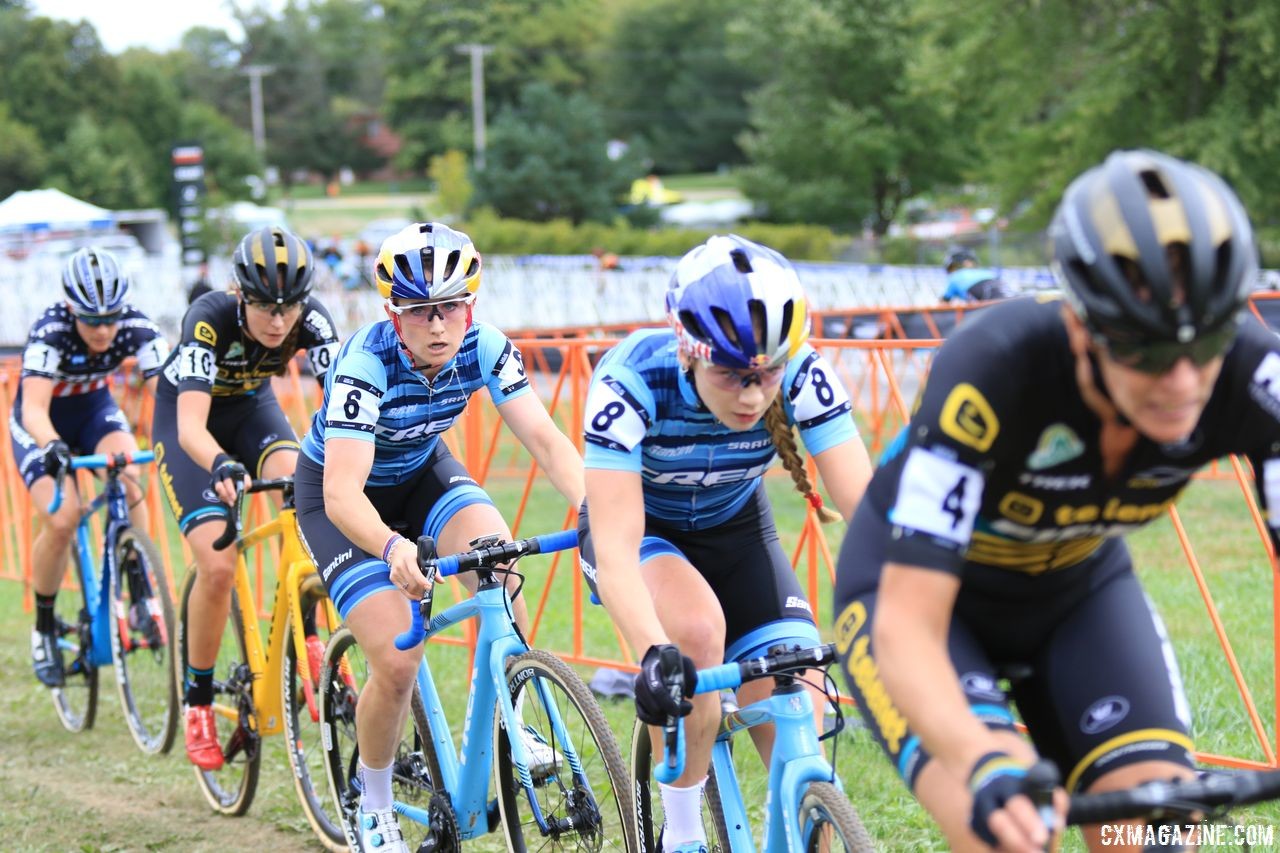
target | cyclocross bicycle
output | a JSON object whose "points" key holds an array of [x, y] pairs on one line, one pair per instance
{"points": [[1182, 814], [264, 690], [805, 808], [572, 793], [122, 615]]}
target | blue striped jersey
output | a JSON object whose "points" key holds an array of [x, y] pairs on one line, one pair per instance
{"points": [[372, 393], [643, 415]]}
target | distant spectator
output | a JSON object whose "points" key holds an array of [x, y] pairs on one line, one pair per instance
{"points": [[607, 260], [201, 285], [969, 282]]}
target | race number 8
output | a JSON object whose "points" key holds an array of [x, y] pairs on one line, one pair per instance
{"points": [[606, 416]]}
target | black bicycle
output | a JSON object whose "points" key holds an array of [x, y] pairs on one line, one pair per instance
{"points": [[1180, 815]]}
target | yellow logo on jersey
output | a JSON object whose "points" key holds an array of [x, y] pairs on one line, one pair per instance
{"points": [[866, 675], [205, 332], [1023, 509], [969, 419]]}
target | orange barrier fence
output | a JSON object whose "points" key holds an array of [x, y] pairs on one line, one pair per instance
{"points": [[882, 376]]}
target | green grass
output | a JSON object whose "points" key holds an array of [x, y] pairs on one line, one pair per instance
{"points": [[95, 792]]}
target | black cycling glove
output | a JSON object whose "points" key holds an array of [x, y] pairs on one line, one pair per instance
{"points": [[663, 668], [226, 468], [57, 455], [995, 779]]}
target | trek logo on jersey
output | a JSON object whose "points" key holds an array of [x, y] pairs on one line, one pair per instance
{"points": [[968, 418], [1104, 714], [703, 478], [1058, 443], [415, 431], [204, 332]]}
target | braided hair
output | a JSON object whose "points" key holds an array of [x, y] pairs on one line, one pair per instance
{"points": [[784, 441]]}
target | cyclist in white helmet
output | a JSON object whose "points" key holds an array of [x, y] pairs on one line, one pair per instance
{"points": [[64, 407]]}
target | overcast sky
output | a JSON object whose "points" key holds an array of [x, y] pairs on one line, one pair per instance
{"points": [[157, 24]]}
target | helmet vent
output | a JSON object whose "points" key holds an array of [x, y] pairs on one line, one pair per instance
{"points": [[725, 322], [473, 267], [740, 261], [759, 325], [1154, 183], [406, 271], [692, 326], [788, 311], [451, 264]]}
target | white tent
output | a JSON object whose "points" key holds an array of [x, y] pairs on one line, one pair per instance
{"points": [[41, 210]]}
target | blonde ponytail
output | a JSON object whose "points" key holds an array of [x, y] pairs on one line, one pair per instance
{"points": [[784, 441]]}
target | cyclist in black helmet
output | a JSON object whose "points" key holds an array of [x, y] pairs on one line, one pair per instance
{"points": [[969, 282], [991, 541], [217, 420]]}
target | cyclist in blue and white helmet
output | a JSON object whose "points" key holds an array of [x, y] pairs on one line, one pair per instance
{"points": [[93, 283], [677, 536]]}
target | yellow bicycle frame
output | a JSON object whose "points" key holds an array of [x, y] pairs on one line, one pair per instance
{"points": [[294, 573]]}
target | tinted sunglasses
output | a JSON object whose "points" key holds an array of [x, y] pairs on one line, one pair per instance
{"points": [[422, 313], [1159, 357], [100, 319], [275, 309], [731, 379]]}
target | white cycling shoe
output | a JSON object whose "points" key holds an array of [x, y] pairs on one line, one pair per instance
{"points": [[380, 831]]}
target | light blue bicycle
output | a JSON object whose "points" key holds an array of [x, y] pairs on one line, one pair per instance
{"points": [[122, 615], [562, 783], [805, 809]]}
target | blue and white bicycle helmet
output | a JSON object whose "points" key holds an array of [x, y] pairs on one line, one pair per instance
{"points": [[737, 304], [427, 260], [93, 283]]}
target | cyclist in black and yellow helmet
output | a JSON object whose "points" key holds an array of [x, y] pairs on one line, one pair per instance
{"points": [[217, 420]]}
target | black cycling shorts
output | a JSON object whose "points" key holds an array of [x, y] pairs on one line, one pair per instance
{"points": [[745, 566], [422, 504], [250, 428], [1088, 663], [82, 420]]}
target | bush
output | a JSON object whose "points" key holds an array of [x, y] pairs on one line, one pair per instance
{"points": [[500, 236]]}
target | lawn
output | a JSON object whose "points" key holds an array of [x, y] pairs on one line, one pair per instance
{"points": [[95, 792]]}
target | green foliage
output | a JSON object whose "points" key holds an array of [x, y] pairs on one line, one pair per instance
{"points": [[667, 77], [100, 165], [840, 133], [22, 157], [229, 156], [547, 160], [493, 234], [453, 185]]}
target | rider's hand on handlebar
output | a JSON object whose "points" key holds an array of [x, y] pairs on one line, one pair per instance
{"points": [[57, 455], [1003, 816], [226, 473], [403, 562], [654, 702]]}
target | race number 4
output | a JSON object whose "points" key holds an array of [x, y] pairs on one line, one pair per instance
{"points": [[938, 496]]}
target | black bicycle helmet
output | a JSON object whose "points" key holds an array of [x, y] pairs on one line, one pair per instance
{"points": [[958, 255], [273, 265], [1152, 248]]}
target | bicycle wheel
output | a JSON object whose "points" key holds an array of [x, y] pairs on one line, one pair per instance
{"points": [[76, 701], [301, 703], [649, 815], [828, 822], [414, 779], [140, 643], [585, 804], [229, 790]]}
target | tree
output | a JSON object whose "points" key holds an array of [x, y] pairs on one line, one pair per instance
{"points": [[667, 77], [22, 158], [841, 133], [453, 187], [99, 163], [229, 156], [546, 160]]}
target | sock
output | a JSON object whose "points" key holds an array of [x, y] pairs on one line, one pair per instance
{"points": [[683, 810], [199, 686], [377, 787], [45, 623]]}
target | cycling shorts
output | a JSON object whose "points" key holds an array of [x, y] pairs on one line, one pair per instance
{"points": [[1081, 653], [250, 428], [422, 504], [745, 566], [82, 420]]}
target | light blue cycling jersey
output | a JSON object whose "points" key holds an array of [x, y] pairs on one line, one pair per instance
{"points": [[372, 393], [643, 415]]}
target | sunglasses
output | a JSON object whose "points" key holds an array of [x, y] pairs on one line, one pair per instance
{"points": [[275, 309], [1159, 357], [100, 319], [422, 313], [731, 379]]}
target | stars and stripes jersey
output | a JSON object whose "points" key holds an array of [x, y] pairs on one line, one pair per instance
{"points": [[643, 415], [215, 355], [56, 351], [1001, 466], [372, 393]]}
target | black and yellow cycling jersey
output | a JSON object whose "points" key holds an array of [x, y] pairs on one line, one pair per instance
{"points": [[1000, 466], [215, 355]]}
